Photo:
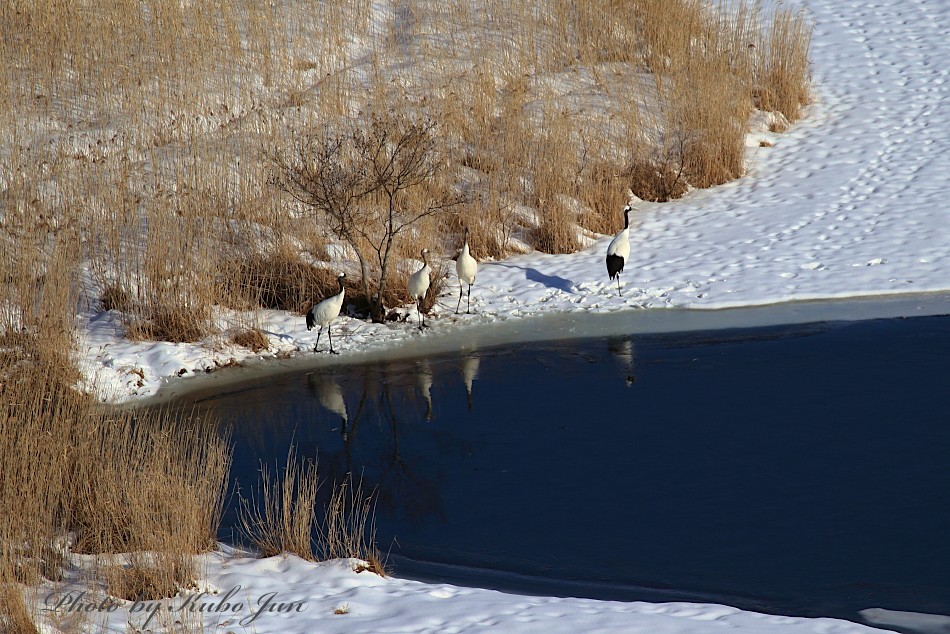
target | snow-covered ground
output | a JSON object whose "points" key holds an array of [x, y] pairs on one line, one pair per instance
{"points": [[290, 595], [847, 203]]}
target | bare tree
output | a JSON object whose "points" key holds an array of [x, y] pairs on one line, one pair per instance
{"points": [[370, 185]]}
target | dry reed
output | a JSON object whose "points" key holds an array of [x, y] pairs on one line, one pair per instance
{"points": [[15, 616], [114, 481], [171, 110], [149, 577], [784, 69], [280, 518], [349, 527], [134, 139], [252, 339]]}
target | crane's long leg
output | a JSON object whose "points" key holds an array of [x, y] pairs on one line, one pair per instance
{"points": [[468, 310], [317, 345], [459, 305], [619, 292], [330, 335]]}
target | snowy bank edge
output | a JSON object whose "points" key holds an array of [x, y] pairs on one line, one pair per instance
{"points": [[468, 337]]}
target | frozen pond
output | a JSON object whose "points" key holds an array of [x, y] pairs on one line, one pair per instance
{"points": [[790, 469]]}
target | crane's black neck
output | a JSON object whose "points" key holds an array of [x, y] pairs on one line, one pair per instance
{"points": [[340, 280], [626, 217]]}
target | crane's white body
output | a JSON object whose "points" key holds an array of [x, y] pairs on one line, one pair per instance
{"points": [[325, 312], [419, 284], [466, 267], [620, 245]]}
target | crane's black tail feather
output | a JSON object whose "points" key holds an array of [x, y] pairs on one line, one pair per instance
{"points": [[614, 265]]}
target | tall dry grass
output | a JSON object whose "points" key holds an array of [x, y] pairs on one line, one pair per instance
{"points": [[144, 126], [281, 516], [349, 527], [783, 68], [118, 483], [75, 476], [700, 64], [134, 138], [15, 616], [164, 455]]}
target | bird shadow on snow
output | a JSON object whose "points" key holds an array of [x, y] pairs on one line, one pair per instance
{"points": [[551, 281]]}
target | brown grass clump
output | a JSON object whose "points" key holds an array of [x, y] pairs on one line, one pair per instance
{"points": [[164, 457], [116, 298], [252, 339], [710, 68], [714, 130], [169, 323], [281, 518], [657, 182], [703, 75], [171, 281], [604, 194], [279, 281], [349, 528], [553, 164], [149, 578], [557, 231], [135, 583], [15, 617], [784, 69]]}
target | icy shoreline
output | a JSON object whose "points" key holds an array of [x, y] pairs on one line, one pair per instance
{"points": [[558, 325]]}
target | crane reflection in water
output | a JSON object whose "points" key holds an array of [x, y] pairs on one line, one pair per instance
{"points": [[352, 420]]}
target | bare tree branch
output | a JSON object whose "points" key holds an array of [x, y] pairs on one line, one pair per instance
{"points": [[359, 181]]}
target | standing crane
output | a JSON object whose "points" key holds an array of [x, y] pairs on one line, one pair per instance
{"points": [[324, 313], [618, 251], [419, 285], [466, 267]]}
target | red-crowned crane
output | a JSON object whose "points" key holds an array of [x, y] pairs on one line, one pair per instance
{"points": [[418, 285], [618, 251], [466, 267], [324, 313]]}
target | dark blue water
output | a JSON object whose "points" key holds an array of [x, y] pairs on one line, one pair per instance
{"points": [[797, 470]]}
